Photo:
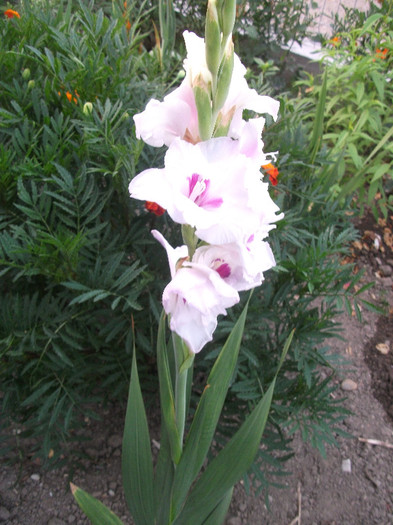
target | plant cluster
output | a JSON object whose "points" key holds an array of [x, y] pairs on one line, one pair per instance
{"points": [[359, 120], [72, 258], [75, 261]]}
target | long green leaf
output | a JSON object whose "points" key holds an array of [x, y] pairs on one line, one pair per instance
{"points": [[225, 470], [317, 132], [228, 466], [219, 513], [96, 511], [163, 480], [207, 414], [166, 393], [137, 465]]}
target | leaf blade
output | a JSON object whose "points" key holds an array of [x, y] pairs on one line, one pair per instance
{"points": [[137, 464]]}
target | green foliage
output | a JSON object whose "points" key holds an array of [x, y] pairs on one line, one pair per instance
{"points": [[75, 259], [306, 290], [72, 254], [358, 116]]}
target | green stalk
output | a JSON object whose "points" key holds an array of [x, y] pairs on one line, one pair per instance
{"points": [[180, 386]]}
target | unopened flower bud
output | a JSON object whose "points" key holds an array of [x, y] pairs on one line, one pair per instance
{"points": [[26, 73], [31, 84], [224, 76], [204, 107], [228, 16], [87, 108], [212, 38], [181, 74]]}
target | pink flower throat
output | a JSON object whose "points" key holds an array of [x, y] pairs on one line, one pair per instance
{"points": [[222, 268], [198, 192]]}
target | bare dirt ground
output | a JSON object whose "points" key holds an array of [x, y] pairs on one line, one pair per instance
{"points": [[353, 485]]}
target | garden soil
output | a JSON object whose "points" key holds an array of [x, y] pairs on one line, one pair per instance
{"points": [[352, 485]]}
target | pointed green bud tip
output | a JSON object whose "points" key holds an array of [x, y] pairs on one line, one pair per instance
{"points": [[30, 84], [26, 73], [228, 16], [224, 76], [212, 38]]}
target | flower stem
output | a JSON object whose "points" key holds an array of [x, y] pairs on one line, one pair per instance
{"points": [[183, 361]]}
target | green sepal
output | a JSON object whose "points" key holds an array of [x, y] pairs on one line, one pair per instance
{"points": [[187, 363], [212, 38], [96, 511], [207, 414], [223, 122], [204, 108], [224, 77], [137, 464], [166, 393]]}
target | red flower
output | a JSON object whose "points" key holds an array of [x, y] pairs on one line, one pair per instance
{"points": [[10, 13], [154, 208], [273, 173]]}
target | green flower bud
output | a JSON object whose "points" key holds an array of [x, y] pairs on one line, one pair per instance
{"points": [[204, 107], [31, 84], [224, 77], [26, 73], [87, 108], [212, 38], [228, 16]]}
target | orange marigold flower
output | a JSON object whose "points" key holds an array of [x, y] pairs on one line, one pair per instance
{"points": [[154, 208], [10, 13], [273, 173], [381, 53], [335, 41], [71, 97]]}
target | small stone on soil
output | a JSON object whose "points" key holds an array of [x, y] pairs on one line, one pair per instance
{"points": [[346, 465], [348, 385], [234, 521], [56, 521], [386, 270], [383, 348]]}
